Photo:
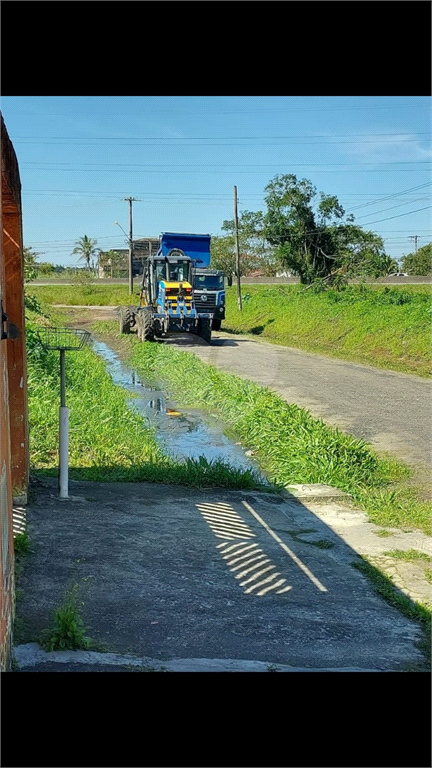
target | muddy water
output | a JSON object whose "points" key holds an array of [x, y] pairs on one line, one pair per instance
{"points": [[180, 433]]}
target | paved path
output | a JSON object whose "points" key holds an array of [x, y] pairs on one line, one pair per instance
{"points": [[390, 410], [168, 574]]}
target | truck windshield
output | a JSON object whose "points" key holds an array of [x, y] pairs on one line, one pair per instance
{"points": [[211, 282]]}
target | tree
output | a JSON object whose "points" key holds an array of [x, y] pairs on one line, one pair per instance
{"points": [[114, 263], [317, 240], [46, 268], [30, 263], [222, 255], [86, 247], [255, 251], [418, 263]]}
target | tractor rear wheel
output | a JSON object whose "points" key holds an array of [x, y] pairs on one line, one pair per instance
{"points": [[126, 318], [204, 330]]}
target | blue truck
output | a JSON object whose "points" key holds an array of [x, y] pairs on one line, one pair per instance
{"points": [[208, 284], [167, 300]]}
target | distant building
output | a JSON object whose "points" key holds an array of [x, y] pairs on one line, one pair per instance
{"points": [[119, 266]]}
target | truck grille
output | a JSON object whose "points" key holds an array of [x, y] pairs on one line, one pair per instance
{"points": [[205, 306]]}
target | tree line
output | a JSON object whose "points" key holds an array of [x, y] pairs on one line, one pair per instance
{"points": [[307, 235]]}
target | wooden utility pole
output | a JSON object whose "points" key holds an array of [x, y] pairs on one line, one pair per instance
{"points": [[239, 301], [415, 238], [130, 260]]}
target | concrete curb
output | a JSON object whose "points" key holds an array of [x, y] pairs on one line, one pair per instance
{"points": [[31, 654], [314, 492]]}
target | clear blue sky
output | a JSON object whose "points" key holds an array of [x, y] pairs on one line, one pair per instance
{"points": [[181, 157]]}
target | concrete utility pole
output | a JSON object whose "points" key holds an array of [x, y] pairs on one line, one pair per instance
{"points": [[130, 200], [415, 238], [239, 301]]}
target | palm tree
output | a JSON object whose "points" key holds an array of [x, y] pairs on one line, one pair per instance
{"points": [[87, 248]]}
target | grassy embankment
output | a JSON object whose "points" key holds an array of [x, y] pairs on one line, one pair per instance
{"points": [[387, 327]]}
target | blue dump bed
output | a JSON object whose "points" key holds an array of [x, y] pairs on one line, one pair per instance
{"points": [[195, 246]]}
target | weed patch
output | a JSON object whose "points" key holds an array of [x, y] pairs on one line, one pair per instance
{"points": [[68, 631]]}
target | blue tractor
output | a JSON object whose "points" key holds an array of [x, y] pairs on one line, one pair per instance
{"points": [[166, 300]]}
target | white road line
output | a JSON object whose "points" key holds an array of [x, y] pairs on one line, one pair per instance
{"points": [[286, 549]]}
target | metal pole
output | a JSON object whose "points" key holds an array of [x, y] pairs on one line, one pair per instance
{"points": [[64, 432], [130, 248], [239, 301]]}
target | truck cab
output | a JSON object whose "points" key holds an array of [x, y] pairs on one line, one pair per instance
{"points": [[209, 293]]}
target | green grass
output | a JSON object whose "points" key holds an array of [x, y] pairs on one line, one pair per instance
{"points": [[21, 544], [412, 610], [97, 295], [107, 440], [386, 327], [410, 555], [68, 630]]}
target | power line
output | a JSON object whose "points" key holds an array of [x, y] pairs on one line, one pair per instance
{"points": [[121, 166], [398, 216], [392, 207], [389, 197]]}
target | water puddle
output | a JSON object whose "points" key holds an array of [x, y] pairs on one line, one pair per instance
{"points": [[181, 433]]}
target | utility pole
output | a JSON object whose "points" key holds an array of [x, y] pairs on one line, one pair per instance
{"points": [[130, 200], [239, 301], [415, 238]]}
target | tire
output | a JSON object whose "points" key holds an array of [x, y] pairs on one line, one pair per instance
{"points": [[204, 330], [147, 325], [126, 317], [216, 324]]}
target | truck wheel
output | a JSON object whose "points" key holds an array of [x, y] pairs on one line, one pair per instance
{"points": [[147, 325], [204, 330], [126, 318], [216, 324]]}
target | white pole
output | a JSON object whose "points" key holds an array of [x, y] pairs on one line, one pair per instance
{"points": [[64, 450], [64, 431]]}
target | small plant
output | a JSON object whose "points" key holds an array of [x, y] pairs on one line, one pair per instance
{"points": [[411, 555], [68, 632], [322, 544], [21, 544]]}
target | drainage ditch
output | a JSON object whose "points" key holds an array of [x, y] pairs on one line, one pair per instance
{"points": [[181, 433]]}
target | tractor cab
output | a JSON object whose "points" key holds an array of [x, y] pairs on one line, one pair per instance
{"points": [[168, 275]]}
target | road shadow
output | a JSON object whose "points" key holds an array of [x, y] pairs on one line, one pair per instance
{"points": [[191, 340]]}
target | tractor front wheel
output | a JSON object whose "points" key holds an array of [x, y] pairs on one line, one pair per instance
{"points": [[145, 326], [126, 319], [204, 330]]}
